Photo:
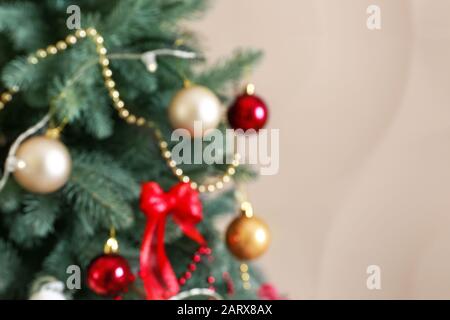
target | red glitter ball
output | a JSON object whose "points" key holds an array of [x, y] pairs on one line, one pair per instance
{"points": [[109, 275], [248, 112]]}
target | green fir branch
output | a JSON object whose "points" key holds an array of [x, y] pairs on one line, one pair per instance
{"points": [[58, 259], [223, 204], [130, 19], [9, 265], [173, 10], [10, 198], [228, 71], [20, 73], [36, 221], [99, 190], [24, 24]]}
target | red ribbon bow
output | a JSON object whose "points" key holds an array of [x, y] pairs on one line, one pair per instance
{"points": [[160, 281]]}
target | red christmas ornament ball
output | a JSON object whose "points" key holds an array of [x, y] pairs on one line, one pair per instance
{"points": [[109, 275], [248, 112]]}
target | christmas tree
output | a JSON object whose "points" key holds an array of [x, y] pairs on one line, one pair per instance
{"points": [[93, 181]]}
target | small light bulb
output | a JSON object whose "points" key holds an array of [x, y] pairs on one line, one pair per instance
{"points": [[152, 67], [250, 89], [149, 59]]}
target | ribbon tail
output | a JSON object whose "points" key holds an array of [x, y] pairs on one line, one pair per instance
{"points": [[167, 277], [145, 261], [159, 279], [191, 232]]}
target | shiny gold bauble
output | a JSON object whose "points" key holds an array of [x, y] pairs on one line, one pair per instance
{"points": [[43, 164], [247, 238], [195, 105]]}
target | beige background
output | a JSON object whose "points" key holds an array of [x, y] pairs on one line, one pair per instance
{"points": [[365, 151]]}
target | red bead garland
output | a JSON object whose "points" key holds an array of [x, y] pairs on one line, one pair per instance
{"points": [[192, 267], [229, 282]]}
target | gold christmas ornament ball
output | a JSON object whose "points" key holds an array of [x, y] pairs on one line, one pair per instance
{"points": [[43, 165], [248, 238], [195, 104]]}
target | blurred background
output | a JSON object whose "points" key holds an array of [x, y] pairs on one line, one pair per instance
{"points": [[365, 141]]}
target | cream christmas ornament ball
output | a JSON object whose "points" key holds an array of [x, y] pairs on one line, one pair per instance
{"points": [[47, 288], [195, 104], [43, 164]]}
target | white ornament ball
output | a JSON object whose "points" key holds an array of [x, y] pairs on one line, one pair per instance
{"points": [[53, 290], [43, 164], [195, 105]]}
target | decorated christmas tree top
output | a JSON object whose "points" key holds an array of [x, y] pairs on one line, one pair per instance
{"points": [[94, 198]]}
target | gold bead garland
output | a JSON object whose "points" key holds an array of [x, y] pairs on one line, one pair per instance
{"points": [[245, 276], [120, 106], [7, 96]]}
